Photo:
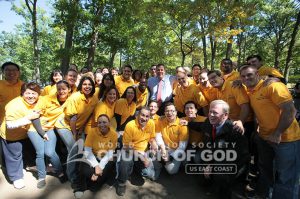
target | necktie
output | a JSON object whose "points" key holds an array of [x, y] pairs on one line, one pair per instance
{"points": [[213, 133], [159, 91]]}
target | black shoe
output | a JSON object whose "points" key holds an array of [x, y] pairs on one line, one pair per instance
{"points": [[121, 189], [63, 178], [41, 183]]}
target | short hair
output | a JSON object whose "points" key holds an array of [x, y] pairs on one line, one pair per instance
{"points": [[217, 72], [71, 69], [227, 60], [254, 56], [9, 63], [224, 104], [144, 108], [152, 101], [103, 115], [246, 66], [158, 65], [55, 71], [190, 102], [204, 70], [128, 66], [83, 78], [112, 87], [32, 86], [125, 92], [84, 68], [63, 82], [168, 104], [196, 65]]}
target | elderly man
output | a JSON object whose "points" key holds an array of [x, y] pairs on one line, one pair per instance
{"points": [[278, 140], [137, 135], [123, 81], [220, 135], [161, 87]]}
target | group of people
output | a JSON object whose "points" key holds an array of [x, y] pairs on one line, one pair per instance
{"points": [[151, 121]]}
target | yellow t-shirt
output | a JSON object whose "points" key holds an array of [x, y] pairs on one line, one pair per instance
{"points": [[194, 136], [172, 133], [124, 109], [210, 93], [234, 97], [122, 84], [269, 71], [100, 143], [14, 110], [142, 98], [7, 93], [190, 93], [49, 89], [137, 137], [265, 101], [234, 75], [80, 106]]}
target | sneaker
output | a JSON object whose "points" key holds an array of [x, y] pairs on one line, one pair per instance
{"points": [[19, 184], [78, 194], [121, 189], [41, 183]]}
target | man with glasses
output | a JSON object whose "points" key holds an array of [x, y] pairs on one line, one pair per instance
{"points": [[172, 138], [124, 80]]}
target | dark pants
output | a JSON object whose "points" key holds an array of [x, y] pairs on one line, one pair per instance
{"points": [[83, 180]]}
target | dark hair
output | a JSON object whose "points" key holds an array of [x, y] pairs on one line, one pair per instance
{"points": [[190, 102], [168, 104], [113, 87], [83, 78], [103, 115], [102, 87], [217, 72], [63, 82], [204, 70], [55, 71], [32, 86], [71, 69], [128, 66], [9, 63], [144, 108], [254, 56], [98, 70], [196, 65], [125, 92], [227, 60], [83, 68], [137, 71], [151, 101], [158, 65], [245, 66]]}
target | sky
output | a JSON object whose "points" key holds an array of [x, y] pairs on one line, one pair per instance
{"points": [[8, 18]]}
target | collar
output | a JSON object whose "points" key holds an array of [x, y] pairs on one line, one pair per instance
{"points": [[257, 87]]}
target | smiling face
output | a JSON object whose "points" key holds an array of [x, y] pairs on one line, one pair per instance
{"points": [[30, 96], [71, 78], [143, 117], [111, 96], [62, 92], [249, 77], [215, 80], [170, 113], [130, 94], [11, 73], [254, 62], [203, 79], [57, 77], [87, 87], [153, 108], [103, 124], [216, 114], [160, 72], [196, 71], [127, 72], [98, 78], [226, 66], [182, 79], [190, 110]]}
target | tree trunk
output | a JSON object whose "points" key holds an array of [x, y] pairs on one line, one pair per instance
{"points": [[229, 45], [92, 50], [213, 45], [66, 55], [291, 46], [112, 57], [204, 51], [276, 58], [239, 44]]}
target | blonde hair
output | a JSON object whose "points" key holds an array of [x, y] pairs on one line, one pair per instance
{"points": [[224, 105]]}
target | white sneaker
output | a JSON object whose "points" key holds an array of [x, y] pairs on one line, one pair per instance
{"points": [[19, 184], [78, 194]]}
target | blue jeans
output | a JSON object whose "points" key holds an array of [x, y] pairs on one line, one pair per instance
{"points": [[67, 137], [279, 167], [42, 148]]}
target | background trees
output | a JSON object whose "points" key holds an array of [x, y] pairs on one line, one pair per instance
{"points": [[96, 33]]}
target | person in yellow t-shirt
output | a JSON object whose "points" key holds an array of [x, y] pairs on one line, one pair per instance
{"points": [[55, 76], [106, 106], [153, 106], [195, 138], [196, 68], [138, 134], [18, 115], [142, 93], [125, 108], [236, 97], [107, 81], [187, 92], [257, 61], [278, 140], [9, 87], [97, 166], [228, 72], [209, 92], [123, 81], [172, 138]]}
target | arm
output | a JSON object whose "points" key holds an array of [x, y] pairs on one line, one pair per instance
{"points": [[23, 121], [238, 125], [286, 118], [73, 124], [109, 155], [90, 156], [182, 146]]}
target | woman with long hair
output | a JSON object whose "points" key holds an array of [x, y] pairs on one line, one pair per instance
{"points": [[55, 76]]}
